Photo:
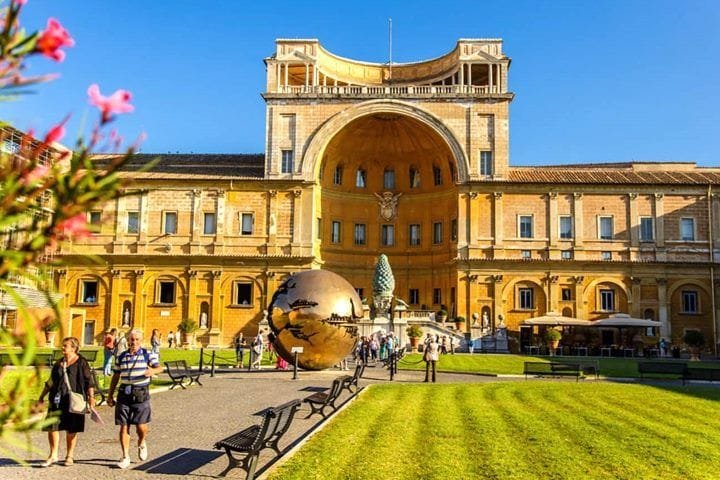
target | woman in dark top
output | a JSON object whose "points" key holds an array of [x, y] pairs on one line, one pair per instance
{"points": [[81, 381]]}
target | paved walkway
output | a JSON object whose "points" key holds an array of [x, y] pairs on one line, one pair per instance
{"points": [[186, 424]]}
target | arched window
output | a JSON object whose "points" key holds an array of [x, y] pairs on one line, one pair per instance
{"points": [[361, 178], [337, 176]]}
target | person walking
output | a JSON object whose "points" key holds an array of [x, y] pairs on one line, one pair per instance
{"points": [[155, 342], [171, 338], [257, 351], [177, 338], [133, 369], [109, 350], [121, 344], [431, 355], [239, 350], [69, 374]]}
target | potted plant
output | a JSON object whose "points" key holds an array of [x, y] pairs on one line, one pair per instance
{"points": [[441, 315], [52, 325], [694, 339], [459, 322], [187, 327], [552, 338], [414, 333]]}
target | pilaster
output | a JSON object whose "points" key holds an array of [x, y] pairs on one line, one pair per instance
{"points": [[665, 330], [498, 221], [579, 296], [552, 223], [114, 318], [633, 223]]}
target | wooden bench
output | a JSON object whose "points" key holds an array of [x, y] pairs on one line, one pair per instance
{"points": [[589, 367], [320, 400], [698, 373], [178, 371], [348, 381], [552, 369], [667, 368], [252, 440], [90, 355]]}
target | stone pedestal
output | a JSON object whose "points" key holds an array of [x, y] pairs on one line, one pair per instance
{"points": [[214, 338]]}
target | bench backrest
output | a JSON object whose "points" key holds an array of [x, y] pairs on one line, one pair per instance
{"points": [[662, 367], [90, 355], [176, 366], [275, 423], [335, 390], [359, 370]]}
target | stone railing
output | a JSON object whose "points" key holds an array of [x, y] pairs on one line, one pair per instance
{"points": [[389, 91]]}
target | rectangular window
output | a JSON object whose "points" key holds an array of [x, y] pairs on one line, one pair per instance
{"points": [[605, 228], [359, 234], [388, 235], [243, 293], [437, 296], [689, 302], [246, 223], [170, 223], [606, 255], [486, 163], [133, 222], [566, 255], [566, 294], [565, 226], [437, 232], [337, 177], [360, 178], [437, 176], [526, 298], [209, 224], [687, 229], [89, 291], [389, 179], [607, 300], [335, 233], [647, 229], [414, 178], [287, 161], [525, 226], [414, 234], [166, 292], [453, 229], [95, 218], [414, 296], [525, 254]]}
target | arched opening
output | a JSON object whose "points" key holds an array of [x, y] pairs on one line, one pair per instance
{"points": [[388, 186], [204, 320]]}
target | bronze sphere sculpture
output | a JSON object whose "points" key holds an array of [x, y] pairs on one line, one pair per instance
{"points": [[316, 310]]}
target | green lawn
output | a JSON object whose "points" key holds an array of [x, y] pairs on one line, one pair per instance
{"points": [[513, 364], [518, 430]]}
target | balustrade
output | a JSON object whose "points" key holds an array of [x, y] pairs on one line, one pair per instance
{"points": [[388, 90]]}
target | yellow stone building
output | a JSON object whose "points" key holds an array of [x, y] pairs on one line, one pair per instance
{"points": [[410, 160]]}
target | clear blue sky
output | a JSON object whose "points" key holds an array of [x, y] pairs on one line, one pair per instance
{"points": [[594, 80]]}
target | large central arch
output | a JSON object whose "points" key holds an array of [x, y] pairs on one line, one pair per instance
{"points": [[312, 158]]}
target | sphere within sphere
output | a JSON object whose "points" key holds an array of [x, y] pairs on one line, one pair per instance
{"points": [[316, 310]]}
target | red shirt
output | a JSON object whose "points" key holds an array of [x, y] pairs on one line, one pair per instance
{"points": [[109, 342]]}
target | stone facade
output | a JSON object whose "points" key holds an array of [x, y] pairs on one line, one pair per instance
{"points": [[411, 161]]}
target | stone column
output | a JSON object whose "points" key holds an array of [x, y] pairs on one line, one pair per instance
{"points": [[634, 302], [272, 222], [490, 77], [497, 221], [114, 309], [665, 330], [633, 222], [552, 223], [219, 246], [497, 304], [191, 289], [579, 296], [139, 301], [464, 220], [659, 220], [195, 220], [216, 309], [715, 213]]}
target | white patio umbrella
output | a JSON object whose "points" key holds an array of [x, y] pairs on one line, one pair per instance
{"points": [[623, 320], [555, 319]]}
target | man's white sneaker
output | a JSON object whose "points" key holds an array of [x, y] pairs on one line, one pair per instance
{"points": [[124, 463], [143, 451]]}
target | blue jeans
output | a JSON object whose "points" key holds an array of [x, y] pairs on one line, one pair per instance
{"points": [[107, 363]]}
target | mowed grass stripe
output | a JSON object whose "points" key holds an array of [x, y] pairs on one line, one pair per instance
{"points": [[514, 430]]}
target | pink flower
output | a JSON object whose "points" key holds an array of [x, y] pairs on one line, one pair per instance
{"points": [[52, 39], [57, 132], [74, 227], [35, 175], [118, 102]]}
